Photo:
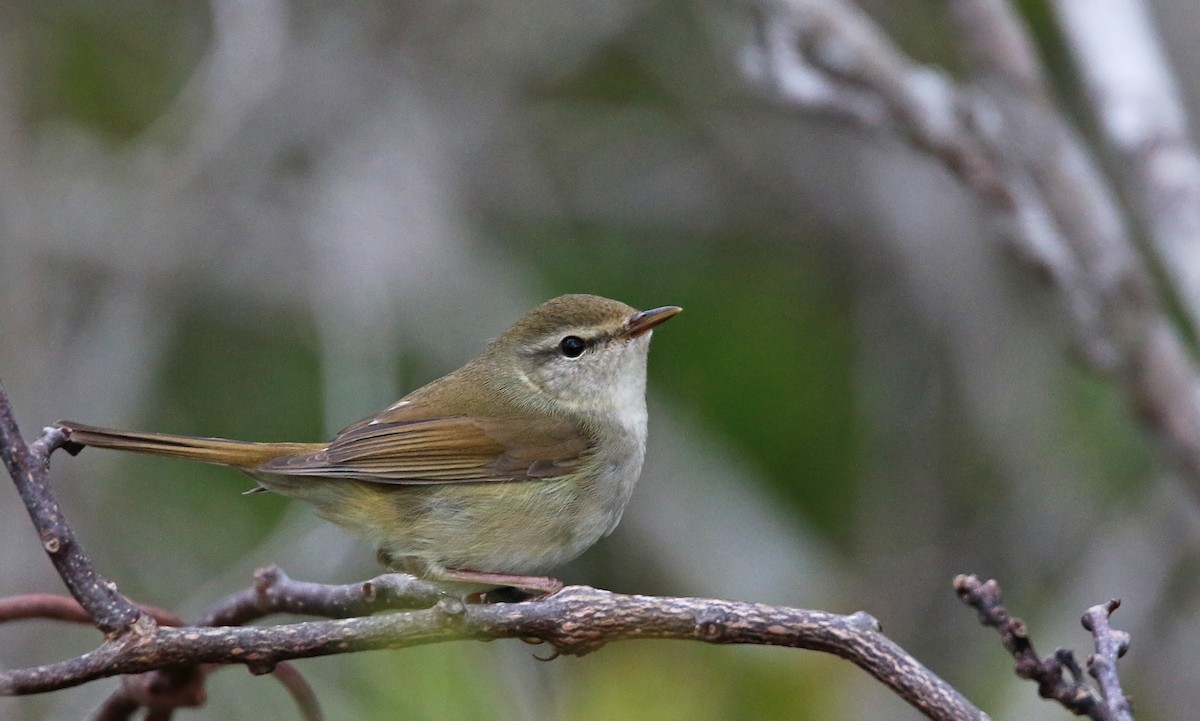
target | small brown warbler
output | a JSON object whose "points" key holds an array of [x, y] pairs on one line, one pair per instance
{"points": [[494, 474]]}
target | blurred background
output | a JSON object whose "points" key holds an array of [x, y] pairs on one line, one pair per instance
{"points": [[263, 220]]}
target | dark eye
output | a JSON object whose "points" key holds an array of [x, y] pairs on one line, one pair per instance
{"points": [[572, 346]]}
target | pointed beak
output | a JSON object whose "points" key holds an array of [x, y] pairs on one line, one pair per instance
{"points": [[645, 320]]}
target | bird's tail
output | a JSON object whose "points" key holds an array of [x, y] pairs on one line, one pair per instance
{"points": [[239, 454]]}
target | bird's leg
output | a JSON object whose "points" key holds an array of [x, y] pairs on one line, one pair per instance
{"points": [[543, 586], [532, 586]]}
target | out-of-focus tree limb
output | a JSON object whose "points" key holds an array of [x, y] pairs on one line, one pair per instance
{"points": [[49, 606], [1136, 99], [1003, 138]]}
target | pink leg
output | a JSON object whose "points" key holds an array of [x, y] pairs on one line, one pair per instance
{"points": [[544, 585]]}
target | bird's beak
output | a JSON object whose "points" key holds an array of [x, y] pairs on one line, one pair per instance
{"points": [[645, 320]]}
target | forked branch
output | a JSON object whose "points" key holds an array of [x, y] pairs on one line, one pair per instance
{"points": [[575, 621], [1059, 676]]}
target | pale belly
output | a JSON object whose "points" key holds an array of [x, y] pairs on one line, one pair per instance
{"points": [[521, 527]]}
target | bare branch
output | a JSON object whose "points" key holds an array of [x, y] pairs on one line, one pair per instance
{"points": [[961, 128], [1073, 693], [29, 466], [1149, 358], [274, 592], [1111, 644], [576, 621], [166, 689], [51, 606]]}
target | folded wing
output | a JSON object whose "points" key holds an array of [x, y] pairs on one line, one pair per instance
{"points": [[458, 449]]}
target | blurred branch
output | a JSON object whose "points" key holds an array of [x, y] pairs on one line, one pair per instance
{"points": [[1107, 703], [242, 66], [164, 690], [1011, 148], [298, 688], [1135, 97], [170, 661], [1067, 220], [827, 56], [50, 606]]}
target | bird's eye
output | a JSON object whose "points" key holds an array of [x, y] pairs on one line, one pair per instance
{"points": [[572, 346]]}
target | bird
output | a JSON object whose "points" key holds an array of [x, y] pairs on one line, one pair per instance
{"points": [[490, 476]]}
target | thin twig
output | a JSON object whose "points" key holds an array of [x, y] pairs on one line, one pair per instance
{"points": [[1073, 693], [1111, 644], [162, 688], [54, 607], [302, 693], [275, 592], [29, 466]]}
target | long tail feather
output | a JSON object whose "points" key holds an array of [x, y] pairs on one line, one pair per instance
{"points": [[240, 454]]}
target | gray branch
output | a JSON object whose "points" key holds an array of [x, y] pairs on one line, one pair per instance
{"points": [[1008, 145], [1111, 644], [1135, 98], [576, 621], [1058, 676], [29, 467]]}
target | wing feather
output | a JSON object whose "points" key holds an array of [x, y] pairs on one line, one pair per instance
{"points": [[458, 449]]}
